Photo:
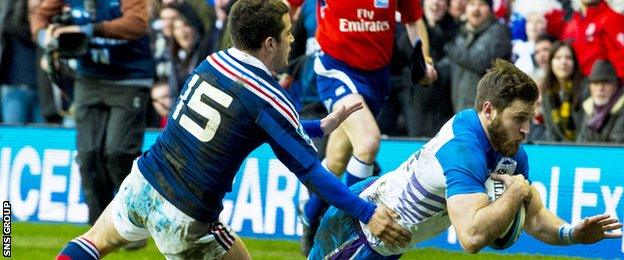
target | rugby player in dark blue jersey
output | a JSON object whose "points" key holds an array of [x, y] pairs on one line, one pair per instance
{"points": [[229, 106]]}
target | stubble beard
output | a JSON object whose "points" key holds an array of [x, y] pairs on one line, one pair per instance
{"points": [[501, 141]]}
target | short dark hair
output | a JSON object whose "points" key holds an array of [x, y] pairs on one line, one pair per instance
{"points": [[504, 83], [252, 21], [545, 37]]}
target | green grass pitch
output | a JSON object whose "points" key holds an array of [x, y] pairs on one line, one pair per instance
{"points": [[43, 241]]}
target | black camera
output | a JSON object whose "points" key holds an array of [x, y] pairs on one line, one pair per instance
{"points": [[69, 44]]}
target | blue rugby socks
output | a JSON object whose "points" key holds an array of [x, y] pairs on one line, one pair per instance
{"points": [[79, 248], [358, 171]]}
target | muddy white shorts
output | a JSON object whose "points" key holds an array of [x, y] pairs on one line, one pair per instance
{"points": [[139, 211]]}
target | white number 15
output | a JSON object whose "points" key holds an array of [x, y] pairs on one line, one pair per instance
{"points": [[207, 132]]}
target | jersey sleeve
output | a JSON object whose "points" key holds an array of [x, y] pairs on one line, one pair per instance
{"points": [[313, 127], [522, 161], [293, 148], [464, 169], [411, 10], [291, 145]]}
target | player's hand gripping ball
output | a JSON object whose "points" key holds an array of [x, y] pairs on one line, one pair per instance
{"points": [[494, 190]]}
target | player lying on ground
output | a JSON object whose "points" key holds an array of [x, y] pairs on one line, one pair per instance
{"points": [[443, 183], [229, 106]]}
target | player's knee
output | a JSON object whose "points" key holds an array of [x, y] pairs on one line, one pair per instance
{"points": [[336, 167], [366, 150], [104, 236]]}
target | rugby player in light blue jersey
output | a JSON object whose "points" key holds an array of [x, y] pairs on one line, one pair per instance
{"points": [[229, 106], [442, 184]]}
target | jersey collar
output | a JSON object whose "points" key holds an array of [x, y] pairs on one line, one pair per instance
{"points": [[248, 59]]}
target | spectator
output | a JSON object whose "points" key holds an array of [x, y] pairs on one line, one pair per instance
{"points": [[167, 15], [441, 27], [604, 116], [204, 10], [186, 47], [424, 109], [548, 9], [111, 89], [19, 97], [596, 32], [457, 10], [538, 127], [161, 32], [161, 100], [480, 41], [218, 39], [522, 51], [563, 88], [543, 44]]}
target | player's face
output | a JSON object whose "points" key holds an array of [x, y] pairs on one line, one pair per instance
{"points": [[280, 60], [511, 126]]}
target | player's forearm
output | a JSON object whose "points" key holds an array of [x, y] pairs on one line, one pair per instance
{"points": [[334, 192], [477, 228], [541, 223], [545, 227], [493, 220]]}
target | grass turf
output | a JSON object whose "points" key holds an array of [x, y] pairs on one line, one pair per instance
{"points": [[43, 241]]}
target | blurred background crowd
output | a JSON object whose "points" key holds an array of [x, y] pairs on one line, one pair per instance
{"points": [[573, 49]]}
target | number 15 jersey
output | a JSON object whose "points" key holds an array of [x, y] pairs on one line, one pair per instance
{"points": [[229, 106]]}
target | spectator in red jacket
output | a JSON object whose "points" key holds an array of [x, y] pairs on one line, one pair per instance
{"points": [[596, 33]]}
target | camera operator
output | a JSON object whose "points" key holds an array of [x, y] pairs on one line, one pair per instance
{"points": [[111, 87], [18, 88]]}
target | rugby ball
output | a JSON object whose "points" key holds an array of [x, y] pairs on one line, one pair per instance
{"points": [[494, 190]]}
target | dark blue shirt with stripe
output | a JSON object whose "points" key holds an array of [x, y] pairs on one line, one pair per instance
{"points": [[228, 108]]}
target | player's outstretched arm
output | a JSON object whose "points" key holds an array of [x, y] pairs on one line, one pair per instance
{"points": [[325, 126], [477, 222], [300, 157], [382, 221], [547, 227]]}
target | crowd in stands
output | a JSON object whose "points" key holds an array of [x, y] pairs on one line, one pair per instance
{"points": [[573, 49]]}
